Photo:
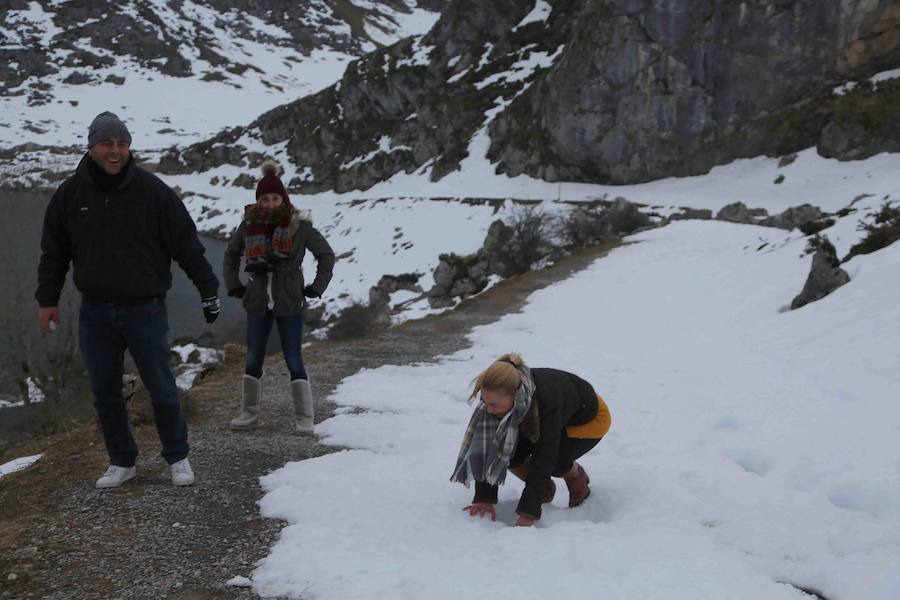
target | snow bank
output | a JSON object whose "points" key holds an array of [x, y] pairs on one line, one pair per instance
{"points": [[750, 447], [18, 464]]}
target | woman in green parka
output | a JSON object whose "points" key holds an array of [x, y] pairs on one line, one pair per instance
{"points": [[273, 240], [534, 423]]}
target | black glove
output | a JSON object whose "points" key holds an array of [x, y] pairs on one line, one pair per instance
{"points": [[310, 292], [238, 292], [210, 308]]}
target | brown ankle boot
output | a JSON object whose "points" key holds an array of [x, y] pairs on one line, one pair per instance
{"points": [[577, 481], [549, 492]]}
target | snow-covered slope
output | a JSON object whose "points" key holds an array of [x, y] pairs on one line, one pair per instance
{"points": [[402, 225], [179, 71], [752, 450]]}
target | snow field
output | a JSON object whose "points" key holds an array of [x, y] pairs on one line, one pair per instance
{"points": [[750, 447], [18, 464], [432, 220], [826, 183]]}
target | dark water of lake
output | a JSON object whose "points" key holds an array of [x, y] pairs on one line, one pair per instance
{"points": [[20, 229]]}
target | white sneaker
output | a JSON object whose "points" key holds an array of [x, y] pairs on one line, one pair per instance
{"points": [[115, 476], [182, 474]]}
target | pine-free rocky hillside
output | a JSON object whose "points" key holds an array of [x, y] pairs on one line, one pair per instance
{"points": [[54, 53], [605, 91], [169, 37]]}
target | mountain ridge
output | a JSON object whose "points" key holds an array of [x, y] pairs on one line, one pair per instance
{"points": [[179, 71], [600, 92]]}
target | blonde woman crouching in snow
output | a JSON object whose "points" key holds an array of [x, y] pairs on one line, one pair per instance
{"points": [[534, 423]]}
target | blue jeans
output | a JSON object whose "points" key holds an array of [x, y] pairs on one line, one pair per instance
{"points": [[105, 331], [290, 330]]}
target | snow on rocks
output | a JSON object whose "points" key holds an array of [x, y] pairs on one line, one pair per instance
{"points": [[875, 79], [539, 14], [18, 464], [751, 451], [35, 394], [239, 581], [524, 68], [191, 361], [810, 179]]}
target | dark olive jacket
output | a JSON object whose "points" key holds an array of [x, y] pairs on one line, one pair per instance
{"points": [[121, 241], [287, 277], [560, 399]]}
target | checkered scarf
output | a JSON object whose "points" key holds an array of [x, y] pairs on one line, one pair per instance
{"points": [[489, 441], [267, 236]]}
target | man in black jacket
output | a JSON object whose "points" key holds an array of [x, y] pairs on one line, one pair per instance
{"points": [[120, 227]]}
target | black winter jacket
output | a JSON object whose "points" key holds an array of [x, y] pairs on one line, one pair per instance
{"points": [[121, 242], [560, 399]]}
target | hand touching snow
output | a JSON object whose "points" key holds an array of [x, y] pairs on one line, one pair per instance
{"points": [[479, 509]]}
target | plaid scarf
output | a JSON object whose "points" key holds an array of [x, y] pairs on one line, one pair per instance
{"points": [[267, 236], [489, 441]]}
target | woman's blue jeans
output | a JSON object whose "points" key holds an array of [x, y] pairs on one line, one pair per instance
{"points": [[290, 330]]}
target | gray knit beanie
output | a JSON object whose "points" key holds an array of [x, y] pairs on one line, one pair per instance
{"points": [[107, 126]]}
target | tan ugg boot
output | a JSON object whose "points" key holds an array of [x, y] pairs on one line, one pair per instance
{"points": [[304, 410], [251, 400], [577, 481]]}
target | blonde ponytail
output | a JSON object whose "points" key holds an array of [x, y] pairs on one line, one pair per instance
{"points": [[501, 375]]}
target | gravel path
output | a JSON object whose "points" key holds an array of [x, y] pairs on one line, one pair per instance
{"points": [[62, 539]]}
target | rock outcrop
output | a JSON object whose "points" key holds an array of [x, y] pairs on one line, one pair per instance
{"points": [[794, 217], [650, 89], [380, 293], [458, 277], [701, 214], [790, 218], [825, 276], [463, 276], [737, 212], [864, 123], [609, 91]]}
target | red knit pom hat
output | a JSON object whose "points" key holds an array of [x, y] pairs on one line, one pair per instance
{"points": [[270, 183]]}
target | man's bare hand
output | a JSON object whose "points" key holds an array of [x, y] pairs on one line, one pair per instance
{"points": [[49, 318]]}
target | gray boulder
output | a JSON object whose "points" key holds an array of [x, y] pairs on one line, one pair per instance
{"points": [[794, 217], [737, 212], [447, 271], [858, 138], [825, 276], [702, 214], [493, 251], [457, 276], [380, 293], [787, 159], [465, 287], [439, 299], [624, 217]]}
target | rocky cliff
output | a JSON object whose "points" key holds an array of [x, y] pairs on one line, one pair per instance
{"points": [[613, 91]]}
